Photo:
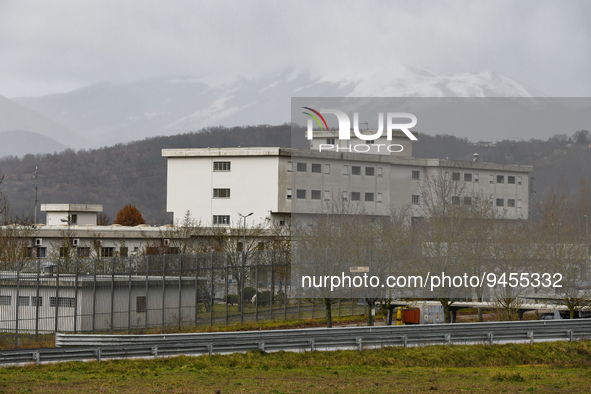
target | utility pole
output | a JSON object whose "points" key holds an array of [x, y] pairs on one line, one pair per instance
{"points": [[35, 216]]}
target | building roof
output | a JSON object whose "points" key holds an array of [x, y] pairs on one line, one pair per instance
{"points": [[72, 207], [308, 153]]}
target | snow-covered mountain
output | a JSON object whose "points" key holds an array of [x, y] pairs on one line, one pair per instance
{"points": [[108, 113]]}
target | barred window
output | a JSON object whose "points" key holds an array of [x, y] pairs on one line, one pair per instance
{"points": [[66, 302], [369, 171], [369, 197], [221, 166], [316, 168], [23, 300], [36, 301], [316, 195], [5, 300], [221, 219], [221, 193], [415, 199], [355, 196], [356, 170], [416, 175], [302, 167]]}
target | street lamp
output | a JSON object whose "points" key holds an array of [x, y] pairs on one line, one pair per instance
{"points": [[244, 235], [242, 271], [586, 227]]}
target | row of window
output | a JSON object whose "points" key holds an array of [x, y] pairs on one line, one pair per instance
{"points": [[500, 202], [415, 174], [355, 170], [67, 302], [84, 251], [302, 194]]}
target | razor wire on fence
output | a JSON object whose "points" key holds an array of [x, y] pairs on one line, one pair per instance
{"points": [[149, 293]]}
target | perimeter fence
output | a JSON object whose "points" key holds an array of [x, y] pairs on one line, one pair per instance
{"points": [[142, 294]]}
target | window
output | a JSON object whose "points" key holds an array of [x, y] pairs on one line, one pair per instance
{"points": [[511, 180], [23, 300], [5, 300], [73, 218], [83, 252], [355, 196], [221, 193], [140, 304], [467, 177], [301, 193], [371, 142], [455, 176], [370, 171], [355, 170], [492, 178], [239, 246], [345, 170], [327, 168], [221, 166], [416, 175], [380, 172], [455, 200], [379, 199], [369, 197], [152, 251], [107, 252], [511, 203], [123, 251], [289, 166], [467, 200], [67, 302], [289, 194], [317, 168], [519, 203], [302, 167], [519, 180], [345, 196], [316, 195], [64, 251], [326, 195], [476, 177], [36, 301], [261, 246], [221, 219], [500, 202], [282, 222], [500, 179], [330, 141], [415, 199]]}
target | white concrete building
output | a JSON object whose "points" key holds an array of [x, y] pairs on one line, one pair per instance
{"points": [[214, 184], [71, 230]]}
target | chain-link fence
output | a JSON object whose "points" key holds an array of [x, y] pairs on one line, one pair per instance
{"points": [[149, 294]]}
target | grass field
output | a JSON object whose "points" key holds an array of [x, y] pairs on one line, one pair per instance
{"points": [[542, 368]]}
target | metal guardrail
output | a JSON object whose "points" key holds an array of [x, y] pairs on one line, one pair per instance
{"points": [[98, 347]]}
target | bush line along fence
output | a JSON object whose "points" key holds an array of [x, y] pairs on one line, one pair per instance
{"points": [[141, 293]]}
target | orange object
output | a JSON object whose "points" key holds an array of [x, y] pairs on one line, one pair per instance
{"points": [[411, 316]]}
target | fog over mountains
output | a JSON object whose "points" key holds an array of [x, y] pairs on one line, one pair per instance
{"points": [[104, 114]]}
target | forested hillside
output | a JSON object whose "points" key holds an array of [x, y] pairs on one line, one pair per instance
{"points": [[135, 173]]}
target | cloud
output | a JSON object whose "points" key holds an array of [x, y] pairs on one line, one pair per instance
{"points": [[56, 46]]}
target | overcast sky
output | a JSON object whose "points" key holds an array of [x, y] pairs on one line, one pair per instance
{"points": [[59, 45]]}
